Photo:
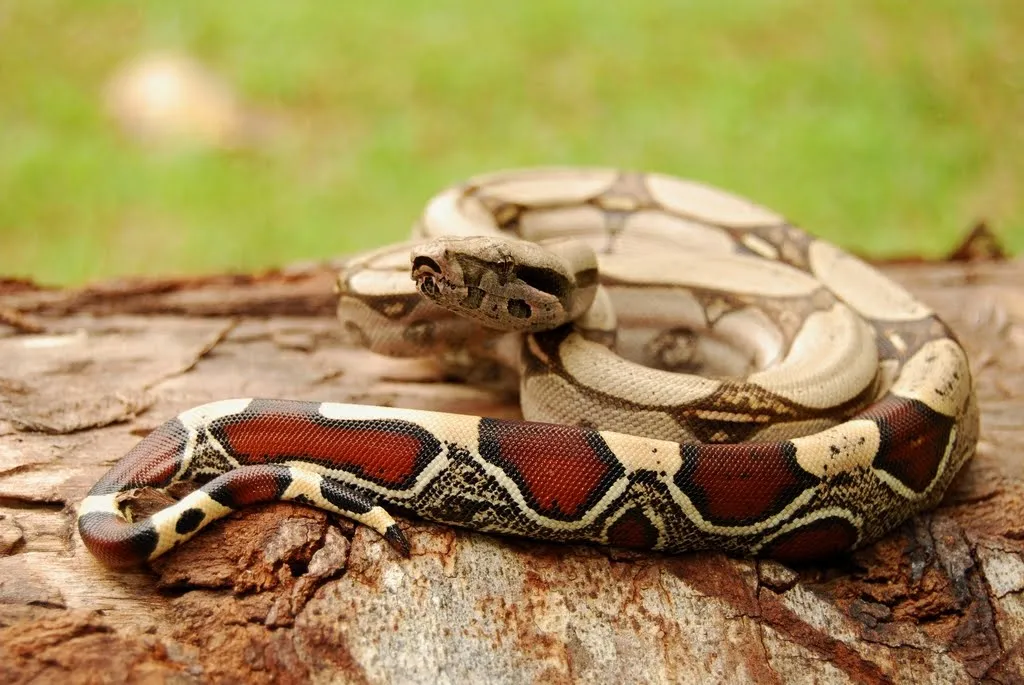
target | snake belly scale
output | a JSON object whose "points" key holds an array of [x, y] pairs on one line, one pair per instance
{"points": [[695, 373]]}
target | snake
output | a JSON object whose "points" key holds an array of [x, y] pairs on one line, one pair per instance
{"points": [[694, 373]]}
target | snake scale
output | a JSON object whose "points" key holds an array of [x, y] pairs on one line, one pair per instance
{"points": [[695, 372]]}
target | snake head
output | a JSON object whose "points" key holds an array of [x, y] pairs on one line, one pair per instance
{"points": [[506, 284]]}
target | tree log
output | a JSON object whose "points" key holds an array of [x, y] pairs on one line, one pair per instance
{"points": [[284, 593]]}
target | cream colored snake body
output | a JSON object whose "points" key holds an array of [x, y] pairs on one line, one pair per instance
{"points": [[695, 371]]}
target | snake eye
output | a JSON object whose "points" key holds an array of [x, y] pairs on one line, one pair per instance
{"points": [[425, 263], [543, 279]]}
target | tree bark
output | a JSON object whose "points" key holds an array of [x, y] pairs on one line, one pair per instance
{"points": [[285, 593]]}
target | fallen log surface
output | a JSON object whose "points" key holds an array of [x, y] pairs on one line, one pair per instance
{"points": [[284, 593]]}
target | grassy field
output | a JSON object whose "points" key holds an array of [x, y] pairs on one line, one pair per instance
{"points": [[888, 126]]}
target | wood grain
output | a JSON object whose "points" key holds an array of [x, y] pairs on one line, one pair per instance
{"points": [[287, 594]]}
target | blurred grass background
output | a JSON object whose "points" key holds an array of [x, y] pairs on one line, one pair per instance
{"points": [[887, 126]]}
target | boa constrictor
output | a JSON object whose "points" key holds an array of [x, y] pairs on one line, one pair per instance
{"points": [[830, 405]]}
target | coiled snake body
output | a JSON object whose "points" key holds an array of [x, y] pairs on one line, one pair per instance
{"points": [[697, 373]]}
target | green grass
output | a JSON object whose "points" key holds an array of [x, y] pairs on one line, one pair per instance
{"points": [[887, 126]]}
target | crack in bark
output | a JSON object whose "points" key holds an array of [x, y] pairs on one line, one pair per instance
{"points": [[791, 627], [21, 468], [759, 625], [20, 322], [26, 504], [988, 595], [219, 337]]}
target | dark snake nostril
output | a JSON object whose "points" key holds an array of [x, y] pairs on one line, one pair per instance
{"points": [[428, 286]]}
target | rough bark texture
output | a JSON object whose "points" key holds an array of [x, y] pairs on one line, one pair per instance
{"points": [[288, 594]]}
